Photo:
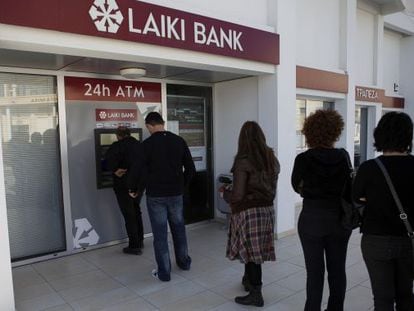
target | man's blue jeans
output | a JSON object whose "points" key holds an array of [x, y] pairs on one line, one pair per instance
{"points": [[162, 210]]}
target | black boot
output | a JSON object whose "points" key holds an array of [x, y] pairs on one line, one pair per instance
{"points": [[246, 283], [132, 251], [254, 298]]}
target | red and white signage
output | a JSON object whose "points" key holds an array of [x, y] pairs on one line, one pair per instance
{"points": [[137, 21], [109, 115], [89, 89], [368, 94]]}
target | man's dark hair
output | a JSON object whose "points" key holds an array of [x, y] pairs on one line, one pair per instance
{"points": [[154, 118], [394, 132], [123, 131]]}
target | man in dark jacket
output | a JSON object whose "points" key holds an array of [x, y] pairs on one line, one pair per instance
{"points": [[120, 157], [165, 155]]}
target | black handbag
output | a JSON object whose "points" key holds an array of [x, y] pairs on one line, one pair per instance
{"points": [[403, 215], [351, 214]]}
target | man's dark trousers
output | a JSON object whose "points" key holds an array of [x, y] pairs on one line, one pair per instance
{"points": [[131, 211]]}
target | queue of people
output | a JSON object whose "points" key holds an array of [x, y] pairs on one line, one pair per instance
{"points": [[321, 175]]}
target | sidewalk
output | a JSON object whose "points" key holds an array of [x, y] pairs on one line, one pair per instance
{"points": [[107, 279]]}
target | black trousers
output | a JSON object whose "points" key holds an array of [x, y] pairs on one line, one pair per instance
{"points": [[253, 272], [131, 211], [389, 263], [324, 239]]}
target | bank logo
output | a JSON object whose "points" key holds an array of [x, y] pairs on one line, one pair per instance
{"points": [[102, 115], [106, 15]]}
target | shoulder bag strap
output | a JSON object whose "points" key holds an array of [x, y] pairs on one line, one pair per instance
{"points": [[403, 215], [348, 161], [350, 176]]}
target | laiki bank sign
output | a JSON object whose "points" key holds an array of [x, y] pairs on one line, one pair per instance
{"points": [[142, 22]]}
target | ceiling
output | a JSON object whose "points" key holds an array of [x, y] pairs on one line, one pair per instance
{"points": [[45, 61]]}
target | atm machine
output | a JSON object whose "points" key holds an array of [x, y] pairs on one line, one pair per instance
{"points": [[92, 121]]}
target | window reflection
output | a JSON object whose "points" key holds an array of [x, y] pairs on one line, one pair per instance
{"points": [[31, 161], [304, 107]]}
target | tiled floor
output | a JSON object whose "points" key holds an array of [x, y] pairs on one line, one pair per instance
{"points": [[107, 279]]}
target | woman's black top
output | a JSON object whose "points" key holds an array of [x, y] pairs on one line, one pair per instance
{"points": [[381, 215], [319, 176]]}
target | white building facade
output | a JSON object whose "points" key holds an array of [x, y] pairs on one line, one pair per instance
{"points": [[272, 61]]}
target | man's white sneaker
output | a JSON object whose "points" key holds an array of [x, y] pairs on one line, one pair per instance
{"points": [[154, 273]]}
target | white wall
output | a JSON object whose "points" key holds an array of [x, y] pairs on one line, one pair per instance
{"points": [[406, 73], [364, 73], [318, 34], [277, 110], [391, 67], [238, 11], [234, 103], [347, 106]]}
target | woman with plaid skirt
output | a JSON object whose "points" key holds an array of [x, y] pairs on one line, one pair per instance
{"points": [[251, 231]]}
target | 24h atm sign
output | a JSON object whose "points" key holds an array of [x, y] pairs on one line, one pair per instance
{"points": [[137, 21]]}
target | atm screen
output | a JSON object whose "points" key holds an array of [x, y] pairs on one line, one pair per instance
{"points": [[104, 138], [107, 138]]}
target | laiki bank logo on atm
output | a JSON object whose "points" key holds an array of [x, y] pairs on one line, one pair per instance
{"points": [[107, 115], [106, 15]]}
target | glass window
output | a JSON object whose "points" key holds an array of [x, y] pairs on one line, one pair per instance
{"points": [[188, 112], [304, 107], [189, 115], [30, 143], [357, 135], [186, 117], [360, 135]]}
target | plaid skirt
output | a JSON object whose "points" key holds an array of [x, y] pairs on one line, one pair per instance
{"points": [[251, 235]]}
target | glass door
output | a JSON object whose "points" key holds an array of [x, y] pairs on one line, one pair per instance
{"points": [[188, 115], [30, 141], [361, 135]]}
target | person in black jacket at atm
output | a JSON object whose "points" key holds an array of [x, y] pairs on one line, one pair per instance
{"points": [[120, 157]]}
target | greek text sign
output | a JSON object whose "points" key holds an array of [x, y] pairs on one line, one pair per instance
{"points": [[111, 90], [137, 21], [368, 94]]}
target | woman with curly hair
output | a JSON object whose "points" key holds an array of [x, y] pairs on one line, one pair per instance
{"points": [[251, 232], [319, 176]]}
